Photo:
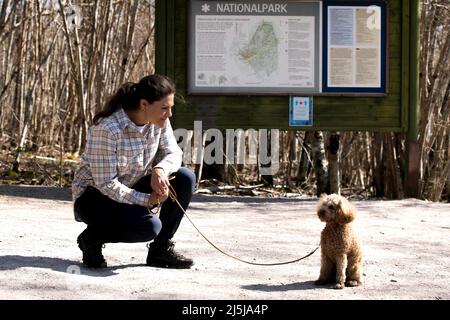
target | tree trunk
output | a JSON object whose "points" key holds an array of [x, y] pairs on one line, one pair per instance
{"points": [[78, 77], [320, 163], [305, 160], [395, 175], [378, 165], [20, 88], [334, 166]]}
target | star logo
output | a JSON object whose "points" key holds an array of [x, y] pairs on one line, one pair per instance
{"points": [[205, 8]]}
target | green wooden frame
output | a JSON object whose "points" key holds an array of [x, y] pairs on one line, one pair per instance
{"points": [[388, 113]]}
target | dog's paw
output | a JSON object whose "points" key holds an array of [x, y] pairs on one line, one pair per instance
{"points": [[338, 285], [352, 283]]}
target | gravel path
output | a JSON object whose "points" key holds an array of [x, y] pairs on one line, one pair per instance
{"points": [[406, 245]]}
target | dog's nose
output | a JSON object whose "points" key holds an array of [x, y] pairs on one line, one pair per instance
{"points": [[322, 213]]}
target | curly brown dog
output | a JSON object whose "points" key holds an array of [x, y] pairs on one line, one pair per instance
{"points": [[341, 261]]}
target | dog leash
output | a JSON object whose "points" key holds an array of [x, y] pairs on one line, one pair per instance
{"points": [[173, 196]]}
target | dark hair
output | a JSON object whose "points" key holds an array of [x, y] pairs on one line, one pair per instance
{"points": [[151, 88]]}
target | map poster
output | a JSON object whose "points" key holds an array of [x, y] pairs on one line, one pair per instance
{"points": [[254, 47]]}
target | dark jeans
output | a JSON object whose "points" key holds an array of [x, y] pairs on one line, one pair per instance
{"points": [[112, 221]]}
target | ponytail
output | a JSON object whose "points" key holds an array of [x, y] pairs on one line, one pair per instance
{"points": [[151, 88], [125, 97]]}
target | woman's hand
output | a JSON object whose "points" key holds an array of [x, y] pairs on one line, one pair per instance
{"points": [[155, 199], [160, 185]]}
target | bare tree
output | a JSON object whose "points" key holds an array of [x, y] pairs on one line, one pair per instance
{"points": [[434, 98], [52, 60]]}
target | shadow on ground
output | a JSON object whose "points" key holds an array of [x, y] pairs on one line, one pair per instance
{"points": [[12, 262], [64, 194], [306, 285], [38, 192]]}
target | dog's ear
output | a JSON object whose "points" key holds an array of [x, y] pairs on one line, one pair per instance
{"points": [[323, 196], [346, 212]]}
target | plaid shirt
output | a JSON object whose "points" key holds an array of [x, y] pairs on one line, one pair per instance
{"points": [[117, 155]]}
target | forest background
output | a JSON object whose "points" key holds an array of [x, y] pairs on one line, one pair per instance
{"points": [[60, 60]]}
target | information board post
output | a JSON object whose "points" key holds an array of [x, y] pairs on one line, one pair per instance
{"points": [[413, 152]]}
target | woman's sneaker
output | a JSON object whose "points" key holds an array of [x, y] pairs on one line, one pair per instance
{"points": [[162, 254], [92, 251]]}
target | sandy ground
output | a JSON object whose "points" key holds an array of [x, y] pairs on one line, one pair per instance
{"points": [[406, 245]]}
